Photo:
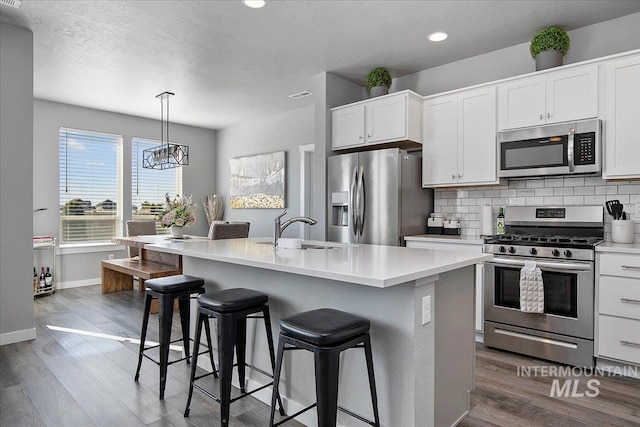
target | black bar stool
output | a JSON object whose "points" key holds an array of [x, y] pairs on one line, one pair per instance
{"points": [[326, 333], [167, 290], [231, 308]]}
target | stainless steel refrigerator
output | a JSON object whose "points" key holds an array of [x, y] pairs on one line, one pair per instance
{"points": [[376, 197]]}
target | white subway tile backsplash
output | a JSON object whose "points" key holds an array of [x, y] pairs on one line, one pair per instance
{"points": [[574, 182], [534, 183], [543, 192], [573, 200], [553, 182], [563, 191], [553, 201], [607, 190], [629, 189], [583, 191], [573, 191]]}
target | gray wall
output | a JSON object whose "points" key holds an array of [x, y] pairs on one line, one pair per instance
{"points": [[594, 41], [198, 178], [286, 132], [16, 154]]}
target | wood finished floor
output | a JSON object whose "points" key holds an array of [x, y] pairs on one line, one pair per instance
{"points": [[66, 378]]}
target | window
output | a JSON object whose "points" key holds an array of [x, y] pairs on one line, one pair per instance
{"points": [[89, 186], [149, 186]]}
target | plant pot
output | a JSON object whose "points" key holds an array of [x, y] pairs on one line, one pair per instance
{"points": [[177, 232], [548, 59], [378, 91]]}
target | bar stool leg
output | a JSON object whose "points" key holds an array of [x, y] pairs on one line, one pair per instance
{"points": [[276, 381], [327, 366], [165, 318], [185, 309], [241, 351], [227, 325], [272, 357], [196, 348], [208, 333], [143, 332], [372, 380]]}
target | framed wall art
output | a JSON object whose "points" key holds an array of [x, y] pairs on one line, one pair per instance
{"points": [[257, 182]]}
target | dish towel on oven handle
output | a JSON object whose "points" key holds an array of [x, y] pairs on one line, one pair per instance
{"points": [[531, 288]]}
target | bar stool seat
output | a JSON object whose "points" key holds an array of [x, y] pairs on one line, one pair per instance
{"points": [[166, 290], [231, 308], [324, 326], [326, 332]]}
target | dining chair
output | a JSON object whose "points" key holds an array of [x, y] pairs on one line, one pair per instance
{"points": [[139, 227], [219, 230]]}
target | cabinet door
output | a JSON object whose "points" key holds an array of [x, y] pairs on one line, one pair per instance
{"points": [[521, 103], [477, 146], [386, 119], [572, 94], [622, 119], [347, 127], [440, 143]]}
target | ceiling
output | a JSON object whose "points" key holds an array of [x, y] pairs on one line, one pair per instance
{"points": [[228, 63]]}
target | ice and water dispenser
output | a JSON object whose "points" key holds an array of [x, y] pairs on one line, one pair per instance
{"points": [[340, 209]]}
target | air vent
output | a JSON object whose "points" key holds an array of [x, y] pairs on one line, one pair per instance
{"points": [[12, 3], [300, 94]]}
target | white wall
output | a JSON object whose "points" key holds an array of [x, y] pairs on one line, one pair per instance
{"points": [[594, 41], [198, 178], [16, 154], [286, 132]]}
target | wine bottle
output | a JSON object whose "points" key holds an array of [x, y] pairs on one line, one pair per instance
{"points": [[41, 283], [500, 222], [35, 279], [48, 279]]}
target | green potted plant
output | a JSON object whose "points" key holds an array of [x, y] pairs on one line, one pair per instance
{"points": [[378, 82], [548, 47]]}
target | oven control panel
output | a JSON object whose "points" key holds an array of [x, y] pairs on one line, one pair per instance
{"points": [[551, 213], [533, 252]]}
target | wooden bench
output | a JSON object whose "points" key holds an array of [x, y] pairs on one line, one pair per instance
{"points": [[117, 274]]}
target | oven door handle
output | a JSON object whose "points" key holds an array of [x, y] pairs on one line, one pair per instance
{"points": [[542, 264]]}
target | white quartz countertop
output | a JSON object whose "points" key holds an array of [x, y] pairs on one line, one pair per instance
{"points": [[371, 265], [628, 248], [466, 240]]}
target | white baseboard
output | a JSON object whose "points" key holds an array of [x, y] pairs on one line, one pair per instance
{"points": [[18, 336], [78, 283]]}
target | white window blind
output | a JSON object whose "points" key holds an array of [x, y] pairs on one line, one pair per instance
{"points": [[149, 186], [90, 186]]}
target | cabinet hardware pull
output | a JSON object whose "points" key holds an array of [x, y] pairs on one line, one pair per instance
{"points": [[629, 343], [630, 301], [541, 117], [360, 137], [459, 176], [368, 135], [548, 115], [453, 176], [630, 267]]}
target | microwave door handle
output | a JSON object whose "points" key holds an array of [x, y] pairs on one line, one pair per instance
{"points": [[570, 143], [550, 265]]}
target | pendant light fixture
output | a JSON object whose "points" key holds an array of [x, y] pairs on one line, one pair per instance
{"points": [[166, 155]]}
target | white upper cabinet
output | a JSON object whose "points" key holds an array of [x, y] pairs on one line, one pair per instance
{"points": [[459, 146], [557, 96], [622, 119], [391, 118]]}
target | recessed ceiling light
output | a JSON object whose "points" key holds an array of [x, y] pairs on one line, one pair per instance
{"points": [[254, 4], [438, 36]]}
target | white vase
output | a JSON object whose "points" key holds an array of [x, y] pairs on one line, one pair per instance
{"points": [[177, 232], [378, 91]]}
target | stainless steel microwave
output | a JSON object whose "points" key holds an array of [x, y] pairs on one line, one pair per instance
{"points": [[558, 149]]}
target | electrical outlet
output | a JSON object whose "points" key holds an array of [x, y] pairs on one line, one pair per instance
{"points": [[111, 256], [426, 309]]}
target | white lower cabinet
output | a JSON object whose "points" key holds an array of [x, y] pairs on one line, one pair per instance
{"points": [[618, 317], [459, 246]]}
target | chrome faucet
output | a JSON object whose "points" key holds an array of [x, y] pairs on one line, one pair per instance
{"points": [[279, 227]]}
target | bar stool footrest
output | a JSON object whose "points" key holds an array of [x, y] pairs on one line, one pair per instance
{"points": [[290, 417]]}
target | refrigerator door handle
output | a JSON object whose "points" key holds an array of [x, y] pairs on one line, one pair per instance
{"points": [[361, 200], [353, 201]]}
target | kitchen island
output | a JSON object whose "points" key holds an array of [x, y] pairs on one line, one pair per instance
{"points": [[424, 372]]}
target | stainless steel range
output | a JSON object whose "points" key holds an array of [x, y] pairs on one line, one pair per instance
{"points": [[561, 241]]}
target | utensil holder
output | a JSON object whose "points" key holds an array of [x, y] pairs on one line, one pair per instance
{"points": [[622, 231]]}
